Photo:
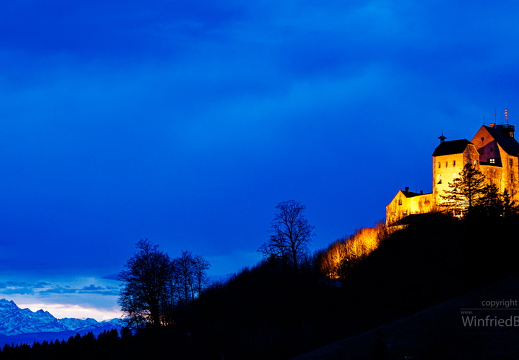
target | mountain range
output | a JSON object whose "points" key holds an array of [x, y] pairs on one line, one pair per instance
{"points": [[26, 326]]}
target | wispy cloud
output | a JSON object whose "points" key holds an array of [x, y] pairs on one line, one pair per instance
{"points": [[58, 290], [92, 287], [46, 288], [17, 290], [100, 290]]}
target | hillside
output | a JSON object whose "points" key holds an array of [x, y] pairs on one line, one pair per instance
{"points": [[266, 312], [438, 332]]}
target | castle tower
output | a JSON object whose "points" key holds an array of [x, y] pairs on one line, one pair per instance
{"points": [[449, 159], [499, 156]]}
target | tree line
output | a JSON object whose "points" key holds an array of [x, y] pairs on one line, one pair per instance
{"points": [[146, 343]]}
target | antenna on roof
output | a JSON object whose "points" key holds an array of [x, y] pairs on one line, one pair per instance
{"points": [[495, 115], [506, 116]]}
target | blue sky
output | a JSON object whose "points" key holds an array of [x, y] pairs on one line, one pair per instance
{"points": [[187, 122]]}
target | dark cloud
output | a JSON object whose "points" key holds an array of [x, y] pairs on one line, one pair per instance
{"points": [[99, 290], [17, 284], [15, 287], [92, 288], [99, 29], [42, 284], [17, 291], [58, 290], [111, 276]]}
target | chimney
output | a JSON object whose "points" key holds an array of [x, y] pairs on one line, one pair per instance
{"points": [[406, 189], [421, 192]]}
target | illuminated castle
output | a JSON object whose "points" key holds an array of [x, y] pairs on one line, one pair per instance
{"points": [[493, 150]]}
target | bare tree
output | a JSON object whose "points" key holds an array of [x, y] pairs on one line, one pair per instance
{"points": [[189, 277], [146, 279], [201, 265], [509, 205], [184, 276], [290, 234]]}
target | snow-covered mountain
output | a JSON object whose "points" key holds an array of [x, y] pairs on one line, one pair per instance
{"points": [[16, 323]]}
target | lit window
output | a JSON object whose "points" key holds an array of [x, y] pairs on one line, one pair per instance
{"points": [[492, 161]]}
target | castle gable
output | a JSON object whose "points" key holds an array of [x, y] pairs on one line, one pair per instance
{"points": [[503, 135]]}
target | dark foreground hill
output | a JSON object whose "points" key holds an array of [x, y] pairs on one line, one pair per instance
{"points": [[265, 312], [462, 328]]}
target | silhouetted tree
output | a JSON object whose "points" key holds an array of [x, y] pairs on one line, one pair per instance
{"points": [[291, 234], [465, 191], [490, 203], [189, 277], [472, 195], [509, 205], [201, 265], [146, 280], [184, 277]]}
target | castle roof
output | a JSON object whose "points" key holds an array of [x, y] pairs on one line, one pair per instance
{"points": [[409, 194], [451, 147], [507, 143]]}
